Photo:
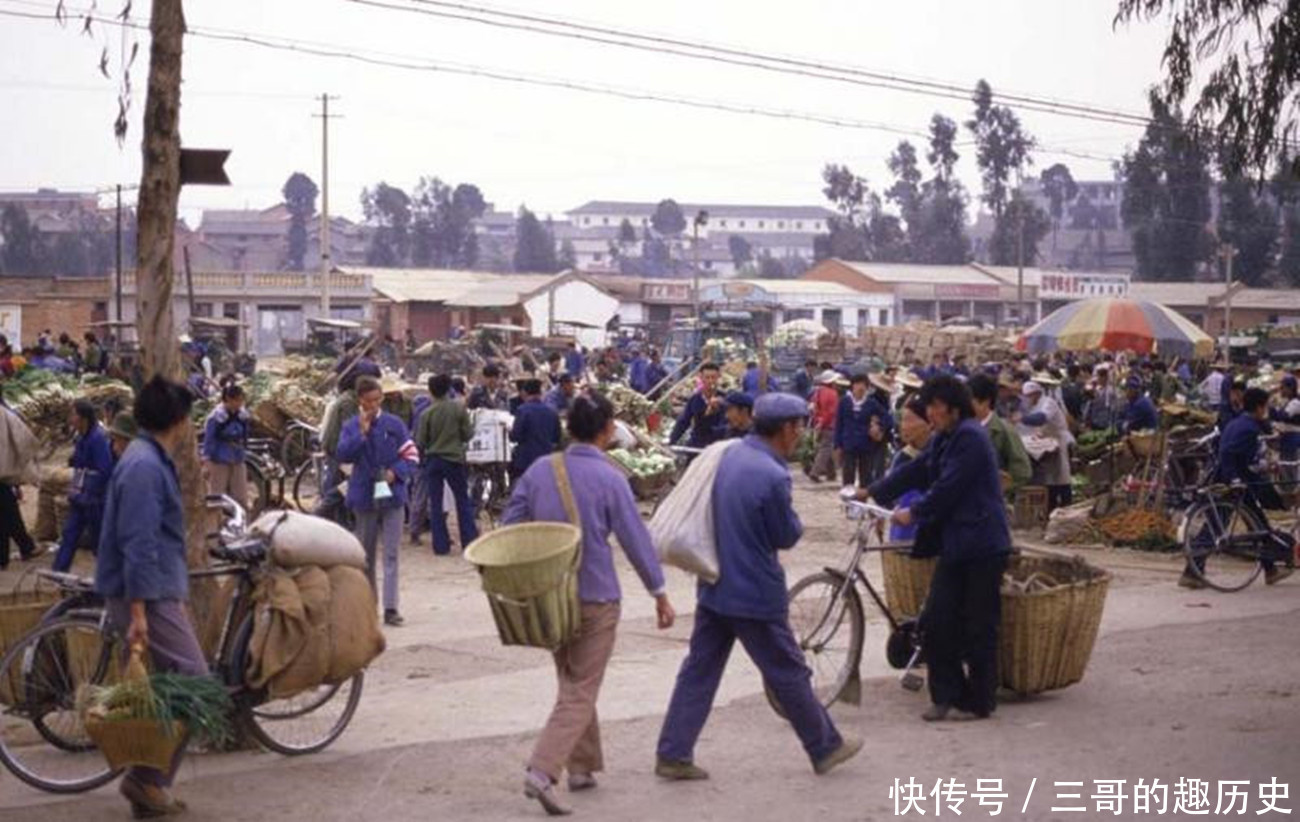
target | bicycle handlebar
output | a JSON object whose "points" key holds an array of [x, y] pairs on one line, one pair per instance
{"points": [[857, 510], [71, 582]]}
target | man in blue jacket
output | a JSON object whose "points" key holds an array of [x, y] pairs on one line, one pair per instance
{"points": [[636, 367], [962, 514], [754, 518], [704, 415], [752, 383], [1140, 414], [863, 429], [225, 436], [536, 430], [560, 397], [384, 461], [92, 464], [1239, 456], [655, 372]]}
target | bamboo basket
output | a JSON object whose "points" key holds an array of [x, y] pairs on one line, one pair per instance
{"points": [[20, 611], [1047, 635], [907, 582], [530, 575], [146, 743], [1144, 444]]}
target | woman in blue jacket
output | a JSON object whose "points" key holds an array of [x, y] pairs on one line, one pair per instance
{"points": [[962, 513], [863, 428], [225, 436], [92, 464], [384, 461]]}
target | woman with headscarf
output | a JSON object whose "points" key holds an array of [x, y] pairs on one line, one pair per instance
{"points": [[1042, 415]]}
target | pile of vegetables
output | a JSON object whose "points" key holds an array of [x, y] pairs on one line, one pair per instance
{"points": [[200, 702], [44, 400], [1139, 528], [629, 406], [643, 463]]}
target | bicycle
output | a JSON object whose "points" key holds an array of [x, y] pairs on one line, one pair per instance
{"points": [[309, 489], [829, 622], [489, 490], [300, 442], [1227, 538], [74, 646]]}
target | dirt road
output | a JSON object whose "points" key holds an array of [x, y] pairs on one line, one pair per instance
{"points": [[1182, 684]]}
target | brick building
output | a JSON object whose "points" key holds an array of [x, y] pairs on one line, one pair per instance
{"points": [[29, 305]]}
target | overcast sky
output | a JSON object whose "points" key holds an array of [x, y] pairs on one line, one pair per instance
{"points": [[553, 149]]}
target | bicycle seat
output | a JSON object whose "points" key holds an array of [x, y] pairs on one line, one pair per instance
{"points": [[248, 552]]}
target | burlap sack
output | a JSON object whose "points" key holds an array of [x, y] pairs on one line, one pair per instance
{"points": [[354, 624], [290, 648]]}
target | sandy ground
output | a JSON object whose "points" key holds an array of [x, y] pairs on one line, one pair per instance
{"points": [[1182, 684]]}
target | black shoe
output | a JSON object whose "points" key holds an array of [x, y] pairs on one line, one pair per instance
{"points": [[393, 618]]}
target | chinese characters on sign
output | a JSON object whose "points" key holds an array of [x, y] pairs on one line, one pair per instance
{"points": [[1117, 797]]}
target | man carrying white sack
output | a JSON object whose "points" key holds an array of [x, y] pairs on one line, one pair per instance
{"points": [[753, 518]]}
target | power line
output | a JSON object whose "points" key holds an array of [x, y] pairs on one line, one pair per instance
{"points": [[624, 38]]}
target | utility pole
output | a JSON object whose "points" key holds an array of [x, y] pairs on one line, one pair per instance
{"points": [[701, 219], [117, 245], [1229, 252], [1020, 267], [325, 265]]}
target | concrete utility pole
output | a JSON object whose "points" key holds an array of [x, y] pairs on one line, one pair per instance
{"points": [[325, 264], [701, 219], [1229, 252], [117, 246]]}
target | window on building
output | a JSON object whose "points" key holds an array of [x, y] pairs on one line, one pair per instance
{"points": [[203, 309], [832, 318], [884, 317], [742, 223], [604, 220], [722, 223], [798, 225], [586, 221], [762, 224], [781, 224], [864, 317], [230, 310], [597, 256], [799, 314]]}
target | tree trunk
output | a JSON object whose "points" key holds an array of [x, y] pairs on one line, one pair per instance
{"points": [[160, 189]]}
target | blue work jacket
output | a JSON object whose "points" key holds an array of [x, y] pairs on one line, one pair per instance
{"points": [[1141, 415], [753, 518], [535, 433], [853, 426], [387, 446], [225, 437], [92, 459], [142, 535], [1239, 450], [962, 502], [705, 428]]}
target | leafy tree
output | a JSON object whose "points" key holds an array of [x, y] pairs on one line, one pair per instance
{"points": [[534, 245], [741, 251], [442, 230], [1167, 197], [626, 233], [938, 236], [906, 190], [1001, 147], [1244, 55], [1288, 261], [862, 231], [656, 257], [299, 194], [1250, 224], [388, 209], [770, 268], [23, 251], [568, 259], [1060, 188], [668, 220], [1013, 242]]}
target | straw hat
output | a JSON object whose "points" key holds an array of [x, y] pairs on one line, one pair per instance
{"points": [[1045, 379], [910, 381], [882, 382], [829, 377]]}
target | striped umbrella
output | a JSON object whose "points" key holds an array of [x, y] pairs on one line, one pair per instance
{"points": [[1117, 325]]}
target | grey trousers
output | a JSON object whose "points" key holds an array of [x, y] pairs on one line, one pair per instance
{"points": [[174, 648], [373, 526]]}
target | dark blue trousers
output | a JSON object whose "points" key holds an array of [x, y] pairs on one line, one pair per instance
{"points": [[80, 518], [457, 478], [772, 646]]}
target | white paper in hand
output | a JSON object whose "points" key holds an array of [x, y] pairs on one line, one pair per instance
{"points": [[682, 528]]}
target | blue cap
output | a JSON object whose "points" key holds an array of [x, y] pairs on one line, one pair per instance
{"points": [[776, 406], [740, 399]]}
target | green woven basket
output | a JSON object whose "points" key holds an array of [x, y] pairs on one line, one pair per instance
{"points": [[530, 575]]}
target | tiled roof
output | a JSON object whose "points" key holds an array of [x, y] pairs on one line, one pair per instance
{"points": [[895, 273]]}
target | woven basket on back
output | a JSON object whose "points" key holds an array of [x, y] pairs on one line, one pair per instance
{"points": [[21, 610], [1048, 631], [907, 582], [530, 575]]}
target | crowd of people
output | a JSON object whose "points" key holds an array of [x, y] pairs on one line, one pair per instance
{"points": [[944, 444]]}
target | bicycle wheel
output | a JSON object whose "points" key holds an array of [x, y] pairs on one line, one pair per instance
{"points": [[258, 494], [296, 448], [43, 741], [828, 623], [307, 485], [306, 723], [1208, 531]]}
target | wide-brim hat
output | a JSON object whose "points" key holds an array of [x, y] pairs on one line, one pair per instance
{"points": [[391, 384], [1046, 380], [882, 382], [910, 381], [829, 377]]}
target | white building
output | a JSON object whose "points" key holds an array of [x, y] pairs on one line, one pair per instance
{"points": [[843, 310]]}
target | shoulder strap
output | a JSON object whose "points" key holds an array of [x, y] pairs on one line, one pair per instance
{"points": [[566, 490]]}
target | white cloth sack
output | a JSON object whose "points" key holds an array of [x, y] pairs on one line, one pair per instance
{"points": [[18, 446], [682, 528], [299, 539]]}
